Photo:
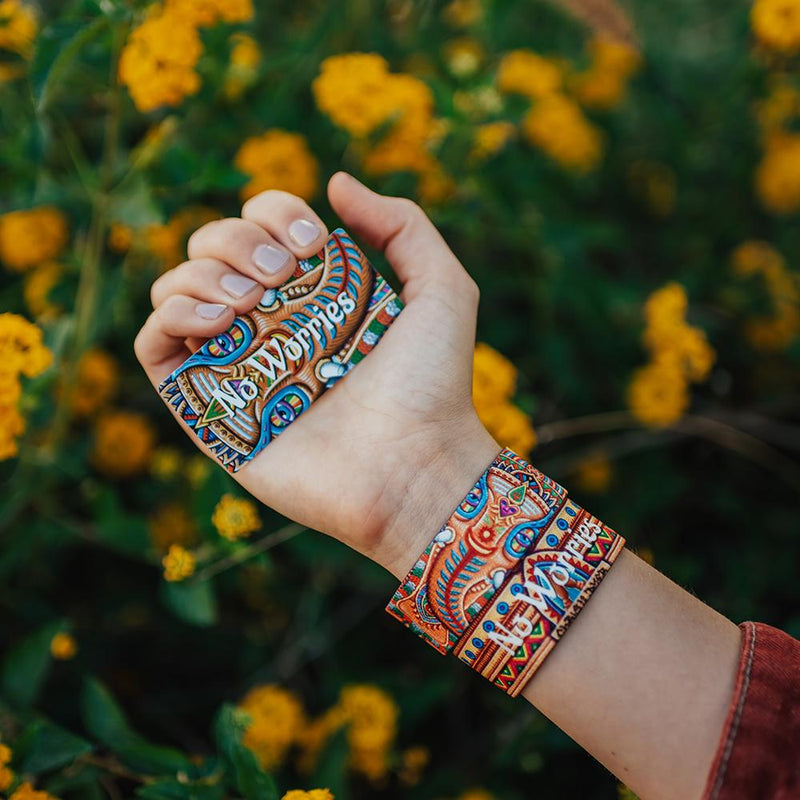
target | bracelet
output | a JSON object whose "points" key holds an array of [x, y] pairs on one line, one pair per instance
{"points": [[507, 573]]}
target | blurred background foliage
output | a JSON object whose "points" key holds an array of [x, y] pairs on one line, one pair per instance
{"points": [[624, 185]]}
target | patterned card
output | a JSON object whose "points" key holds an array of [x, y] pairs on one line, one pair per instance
{"points": [[244, 386]]}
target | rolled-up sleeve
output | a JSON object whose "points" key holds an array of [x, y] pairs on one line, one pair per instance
{"points": [[758, 755]]}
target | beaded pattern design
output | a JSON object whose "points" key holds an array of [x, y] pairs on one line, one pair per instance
{"points": [[243, 387], [507, 573]]}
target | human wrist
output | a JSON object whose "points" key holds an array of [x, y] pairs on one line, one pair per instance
{"points": [[434, 489]]}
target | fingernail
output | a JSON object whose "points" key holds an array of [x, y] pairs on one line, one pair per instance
{"points": [[210, 310], [302, 232], [270, 259], [237, 285]]}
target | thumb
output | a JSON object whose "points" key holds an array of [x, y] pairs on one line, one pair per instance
{"points": [[400, 228]]}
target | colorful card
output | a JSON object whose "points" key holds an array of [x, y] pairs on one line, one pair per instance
{"points": [[246, 385]]}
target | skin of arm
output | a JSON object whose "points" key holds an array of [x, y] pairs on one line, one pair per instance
{"points": [[643, 677]]}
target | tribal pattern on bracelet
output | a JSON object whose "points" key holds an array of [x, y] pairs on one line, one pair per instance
{"points": [[507, 573]]}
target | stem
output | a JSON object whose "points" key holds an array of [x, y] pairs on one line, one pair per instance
{"points": [[246, 553]]}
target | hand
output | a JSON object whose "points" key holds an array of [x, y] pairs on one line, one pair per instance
{"points": [[382, 458]]}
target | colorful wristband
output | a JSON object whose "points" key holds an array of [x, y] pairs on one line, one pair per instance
{"points": [[507, 573]]}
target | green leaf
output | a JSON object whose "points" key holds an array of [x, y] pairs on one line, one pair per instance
{"points": [[132, 203], [330, 769], [43, 746], [193, 602], [57, 47], [250, 778], [178, 790], [107, 723], [25, 666]]}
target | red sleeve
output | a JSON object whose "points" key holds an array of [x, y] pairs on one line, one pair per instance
{"points": [[758, 755]]}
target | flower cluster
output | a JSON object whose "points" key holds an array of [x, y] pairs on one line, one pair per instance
{"points": [[171, 524], [314, 794], [32, 236], [22, 353], [18, 27], [123, 443], [359, 93], [779, 329], [278, 722], [658, 394], [604, 83], [494, 380], [95, 383], [25, 791], [158, 62], [776, 24], [278, 159], [6, 773], [235, 517], [178, 563], [778, 174]]}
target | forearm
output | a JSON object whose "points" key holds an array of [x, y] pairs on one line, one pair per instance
{"points": [[643, 677], [642, 680]]}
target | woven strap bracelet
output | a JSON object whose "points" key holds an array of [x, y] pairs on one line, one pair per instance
{"points": [[506, 574]]}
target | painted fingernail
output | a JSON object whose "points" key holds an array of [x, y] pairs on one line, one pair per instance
{"points": [[210, 310], [270, 259], [302, 232], [237, 285]]}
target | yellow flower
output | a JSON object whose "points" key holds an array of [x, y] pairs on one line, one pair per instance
{"points": [[158, 61], [780, 106], [13, 427], [197, 470], [63, 646], [243, 69], [463, 56], [171, 524], [557, 126], [235, 517], [476, 794], [463, 13], [210, 12], [5, 754], [527, 73], [594, 473], [96, 382], [22, 350], [29, 237], [120, 237], [6, 778], [278, 159], [774, 333], [27, 792], [435, 186], [776, 24], [778, 174], [490, 139], [167, 242], [372, 716], [494, 377], [413, 761], [39, 282], [405, 147], [314, 794], [17, 27], [754, 256], [509, 425], [604, 83], [178, 563], [658, 395], [165, 463], [351, 90], [123, 443], [276, 721]]}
